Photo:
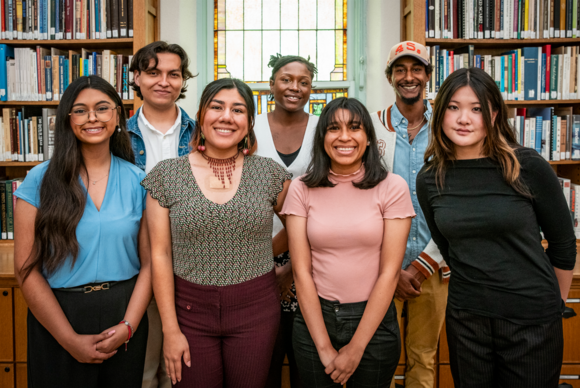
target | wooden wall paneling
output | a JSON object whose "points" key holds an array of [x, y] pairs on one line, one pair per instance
{"points": [[6, 375], [21, 375], [400, 375], [570, 375], [443, 347], [445, 378], [571, 328], [7, 332], [20, 336]]}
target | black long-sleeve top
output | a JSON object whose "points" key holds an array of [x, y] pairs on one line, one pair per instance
{"points": [[489, 234]]}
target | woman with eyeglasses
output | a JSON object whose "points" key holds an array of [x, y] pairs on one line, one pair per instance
{"points": [[81, 248]]}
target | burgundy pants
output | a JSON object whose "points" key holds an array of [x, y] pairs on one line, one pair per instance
{"points": [[231, 332]]}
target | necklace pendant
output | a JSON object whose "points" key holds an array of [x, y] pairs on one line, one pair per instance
{"points": [[94, 182]]}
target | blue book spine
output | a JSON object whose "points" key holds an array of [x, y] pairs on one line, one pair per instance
{"points": [[25, 147], [522, 129], [46, 17], [539, 127], [531, 73], [94, 58], [502, 70], [478, 61], [41, 18], [97, 17], [24, 24], [576, 137], [48, 77], [56, 19], [542, 95], [61, 74], [86, 67], [5, 53], [66, 70], [441, 71]]}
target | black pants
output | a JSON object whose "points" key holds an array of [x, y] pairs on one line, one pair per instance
{"points": [[495, 353], [379, 361], [51, 366], [282, 348]]}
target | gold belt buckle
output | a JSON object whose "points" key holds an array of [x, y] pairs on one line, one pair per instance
{"points": [[104, 286]]}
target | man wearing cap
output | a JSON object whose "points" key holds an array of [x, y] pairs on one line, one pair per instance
{"points": [[403, 134]]}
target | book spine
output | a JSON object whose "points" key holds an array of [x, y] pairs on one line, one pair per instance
{"points": [[3, 209], [48, 77], [130, 18], [40, 129], [542, 95], [9, 211], [575, 137], [114, 18]]}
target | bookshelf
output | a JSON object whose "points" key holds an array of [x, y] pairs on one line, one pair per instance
{"points": [[413, 28], [13, 310]]}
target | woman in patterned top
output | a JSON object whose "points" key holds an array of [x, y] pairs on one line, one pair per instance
{"points": [[213, 274]]}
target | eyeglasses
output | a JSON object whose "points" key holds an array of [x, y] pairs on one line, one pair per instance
{"points": [[82, 116]]}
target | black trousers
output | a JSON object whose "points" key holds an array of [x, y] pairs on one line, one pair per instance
{"points": [[51, 366], [496, 353], [379, 361]]}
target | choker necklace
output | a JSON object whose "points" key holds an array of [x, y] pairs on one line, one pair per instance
{"points": [[222, 168], [354, 173]]}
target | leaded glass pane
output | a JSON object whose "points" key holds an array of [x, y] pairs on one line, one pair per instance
{"points": [[318, 100], [247, 32]]}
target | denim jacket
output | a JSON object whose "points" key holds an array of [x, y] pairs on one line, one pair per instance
{"points": [[187, 129]]}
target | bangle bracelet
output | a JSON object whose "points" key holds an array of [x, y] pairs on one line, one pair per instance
{"points": [[130, 334]]}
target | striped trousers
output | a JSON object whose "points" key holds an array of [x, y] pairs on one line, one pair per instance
{"points": [[496, 353]]}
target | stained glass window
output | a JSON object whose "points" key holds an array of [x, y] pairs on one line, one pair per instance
{"points": [[318, 100], [247, 32]]}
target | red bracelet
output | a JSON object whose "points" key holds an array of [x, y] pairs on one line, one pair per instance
{"points": [[130, 334]]}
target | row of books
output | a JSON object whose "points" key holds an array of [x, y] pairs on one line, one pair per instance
{"points": [[7, 205], [66, 19], [27, 134], [502, 19], [43, 74], [529, 73], [553, 132], [572, 195]]}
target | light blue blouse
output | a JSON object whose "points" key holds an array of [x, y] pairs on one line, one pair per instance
{"points": [[108, 248]]}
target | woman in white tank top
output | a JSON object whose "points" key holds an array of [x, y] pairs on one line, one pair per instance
{"points": [[285, 135]]}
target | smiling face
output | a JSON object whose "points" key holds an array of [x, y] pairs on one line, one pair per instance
{"points": [[161, 86], [291, 87], [225, 123], [345, 142], [94, 131], [408, 79], [464, 125]]}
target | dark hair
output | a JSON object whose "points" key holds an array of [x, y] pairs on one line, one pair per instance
{"points": [[389, 69], [209, 93], [62, 197], [500, 141], [319, 167], [144, 55], [278, 61]]}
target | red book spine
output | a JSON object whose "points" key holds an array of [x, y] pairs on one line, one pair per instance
{"points": [[3, 21], [455, 20], [14, 198], [548, 50], [451, 62], [68, 20]]}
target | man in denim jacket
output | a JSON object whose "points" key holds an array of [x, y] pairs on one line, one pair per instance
{"points": [[159, 130]]}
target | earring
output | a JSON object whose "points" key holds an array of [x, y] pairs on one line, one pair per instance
{"points": [[368, 143], [118, 129], [201, 146], [246, 150]]}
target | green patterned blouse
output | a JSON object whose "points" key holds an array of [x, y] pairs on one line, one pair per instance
{"points": [[213, 244]]}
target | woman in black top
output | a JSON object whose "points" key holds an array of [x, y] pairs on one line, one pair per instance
{"points": [[485, 200]]}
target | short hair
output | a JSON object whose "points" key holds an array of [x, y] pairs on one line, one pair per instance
{"points": [[144, 55], [319, 167], [389, 69], [278, 61], [209, 93]]}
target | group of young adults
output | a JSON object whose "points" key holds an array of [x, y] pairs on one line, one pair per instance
{"points": [[290, 234]]}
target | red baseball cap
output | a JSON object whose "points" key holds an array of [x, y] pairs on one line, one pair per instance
{"points": [[408, 49]]}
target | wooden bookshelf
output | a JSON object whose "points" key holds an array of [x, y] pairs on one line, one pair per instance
{"points": [[413, 28], [13, 307]]}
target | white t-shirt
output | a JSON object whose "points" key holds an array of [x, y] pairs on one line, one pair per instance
{"points": [[267, 148], [159, 146]]}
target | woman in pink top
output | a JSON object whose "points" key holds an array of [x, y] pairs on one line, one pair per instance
{"points": [[348, 220]]}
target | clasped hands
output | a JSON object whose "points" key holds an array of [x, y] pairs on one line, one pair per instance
{"points": [[409, 284], [96, 348], [340, 365]]}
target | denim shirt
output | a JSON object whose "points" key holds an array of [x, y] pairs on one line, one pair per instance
{"points": [[408, 162], [187, 130]]}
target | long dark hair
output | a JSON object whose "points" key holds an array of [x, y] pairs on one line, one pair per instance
{"points": [[209, 93], [319, 167], [500, 142], [62, 197]]}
